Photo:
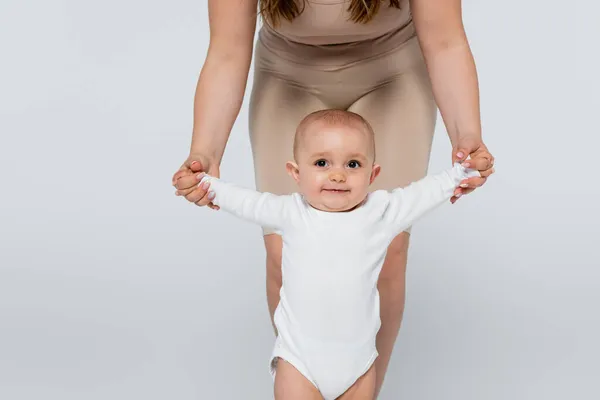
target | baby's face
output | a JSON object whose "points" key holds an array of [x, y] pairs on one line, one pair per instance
{"points": [[335, 166]]}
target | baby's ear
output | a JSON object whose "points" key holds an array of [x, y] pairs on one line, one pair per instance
{"points": [[292, 170], [374, 173]]}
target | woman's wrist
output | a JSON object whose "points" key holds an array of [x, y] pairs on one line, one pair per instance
{"points": [[456, 138], [208, 148]]}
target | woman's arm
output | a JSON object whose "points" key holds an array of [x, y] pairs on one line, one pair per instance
{"points": [[451, 66], [453, 75], [223, 79]]}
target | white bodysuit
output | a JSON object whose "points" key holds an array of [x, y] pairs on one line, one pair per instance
{"points": [[328, 315]]}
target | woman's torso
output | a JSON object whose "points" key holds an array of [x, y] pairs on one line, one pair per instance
{"points": [[325, 25], [328, 22]]}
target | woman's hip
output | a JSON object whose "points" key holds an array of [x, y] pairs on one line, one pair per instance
{"points": [[333, 77]]}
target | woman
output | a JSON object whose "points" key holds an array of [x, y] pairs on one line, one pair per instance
{"points": [[393, 62]]}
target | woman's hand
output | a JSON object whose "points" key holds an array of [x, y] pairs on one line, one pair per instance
{"points": [[481, 160], [186, 179]]}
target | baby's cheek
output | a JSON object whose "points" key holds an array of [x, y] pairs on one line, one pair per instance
{"points": [[316, 182], [361, 190], [310, 187]]}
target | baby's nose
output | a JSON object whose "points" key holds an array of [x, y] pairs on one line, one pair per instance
{"points": [[337, 176]]}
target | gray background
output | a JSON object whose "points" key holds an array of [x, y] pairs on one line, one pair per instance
{"points": [[113, 288]]}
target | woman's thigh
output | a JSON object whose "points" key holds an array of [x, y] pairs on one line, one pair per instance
{"points": [[403, 114]]}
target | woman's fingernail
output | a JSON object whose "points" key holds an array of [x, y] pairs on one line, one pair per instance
{"points": [[464, 185], [458, 195], [211, 195], [205, 185], [177, 193], [466, 165], [200, 176], [460, 154]]}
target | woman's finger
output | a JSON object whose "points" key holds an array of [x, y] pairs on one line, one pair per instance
{"points": [[487, 172], [472, 182], [198, 195], [185, 192], [196, 166], [188, 181], [457, 194], [467, 191], [181, 172], [481, 162], [203, 201], [210, 196], [191, 194], [190, 168], [471, 185]]}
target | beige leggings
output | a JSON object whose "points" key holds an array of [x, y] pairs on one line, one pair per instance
{"points": [[391, 90]]}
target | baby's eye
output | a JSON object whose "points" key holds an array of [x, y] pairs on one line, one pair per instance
{"points": [[353, 164], [321, 163]]}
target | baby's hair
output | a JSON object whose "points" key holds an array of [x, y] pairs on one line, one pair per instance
{"points": [[334, 117]]}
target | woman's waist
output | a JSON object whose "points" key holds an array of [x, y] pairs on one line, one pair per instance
{"points": [[334, 54]]}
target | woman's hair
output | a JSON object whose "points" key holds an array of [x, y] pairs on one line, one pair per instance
{"points": [[361, 11]]}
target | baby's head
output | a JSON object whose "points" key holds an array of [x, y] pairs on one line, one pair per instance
{"points": [[334, 159]]}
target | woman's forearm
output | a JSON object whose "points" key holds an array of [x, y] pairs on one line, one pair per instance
{"points": [[218, 99], [455, 87]]}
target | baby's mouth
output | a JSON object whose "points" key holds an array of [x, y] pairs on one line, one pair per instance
{"points": [[337, 190]]}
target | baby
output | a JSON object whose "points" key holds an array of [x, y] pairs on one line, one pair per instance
{"points": [[335, 236]]}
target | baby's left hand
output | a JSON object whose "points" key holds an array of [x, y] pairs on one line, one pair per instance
{"points": [[480, 159]]}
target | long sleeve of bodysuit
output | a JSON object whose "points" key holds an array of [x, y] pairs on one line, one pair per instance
{"points": [[413, 201], [265, 209]]}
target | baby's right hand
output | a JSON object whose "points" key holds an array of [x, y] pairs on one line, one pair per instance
{"points": [[186, 179]]}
